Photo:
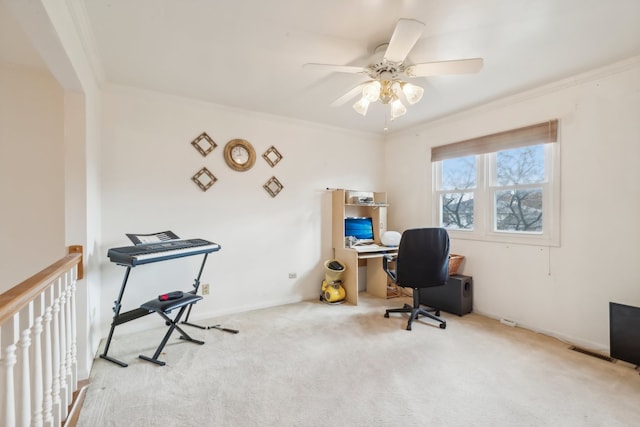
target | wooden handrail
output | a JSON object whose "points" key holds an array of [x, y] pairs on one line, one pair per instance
{"points": [[13, 300]]}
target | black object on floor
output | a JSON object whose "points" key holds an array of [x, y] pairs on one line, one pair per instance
{"points": [[233, 331]]}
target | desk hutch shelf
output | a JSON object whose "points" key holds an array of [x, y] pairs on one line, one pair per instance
{"points": [[352, 203]]}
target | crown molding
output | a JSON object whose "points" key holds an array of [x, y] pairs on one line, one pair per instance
{"points": [[80, 18]]}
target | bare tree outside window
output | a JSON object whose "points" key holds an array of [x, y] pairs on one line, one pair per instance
{"points": [[519, 210], [518, 177], [518, 198], [457, 210], [458, 175]]}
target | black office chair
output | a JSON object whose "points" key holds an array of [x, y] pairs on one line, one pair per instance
{"points": [[422, 262]]}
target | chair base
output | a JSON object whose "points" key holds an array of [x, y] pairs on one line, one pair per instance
{"points": [[416, 311]]}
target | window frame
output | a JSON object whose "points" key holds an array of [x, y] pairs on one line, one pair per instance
{"points": [[484, 223]]}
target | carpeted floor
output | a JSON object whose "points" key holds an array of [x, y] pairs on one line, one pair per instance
{"points": [[313, 364]]}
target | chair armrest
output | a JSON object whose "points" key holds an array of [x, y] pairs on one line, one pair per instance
{"points": [[386, 259]]}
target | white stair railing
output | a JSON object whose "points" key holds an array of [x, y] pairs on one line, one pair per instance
{"points": [[38, 360]]}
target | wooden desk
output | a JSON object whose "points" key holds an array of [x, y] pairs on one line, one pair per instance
{"points": [[371, 204], [376, 277]]}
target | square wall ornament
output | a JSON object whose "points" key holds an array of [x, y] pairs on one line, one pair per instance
{"points": [[204, 144], [204, 179], [272, 156], [273, 186]]}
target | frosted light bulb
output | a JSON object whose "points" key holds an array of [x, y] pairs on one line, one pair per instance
{"points": [[371, 91], [361, 106], [412, 92], [397, 109]]}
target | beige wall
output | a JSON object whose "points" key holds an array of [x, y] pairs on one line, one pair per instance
{"points": [[562, 291], [41, 30], [148, 162], [31, 172]]}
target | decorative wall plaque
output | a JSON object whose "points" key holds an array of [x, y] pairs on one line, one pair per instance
{"points": [[273, 186], [204, 179], [272, 156], [204, 144]]}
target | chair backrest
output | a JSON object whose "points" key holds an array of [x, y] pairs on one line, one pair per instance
{"points": [[423, 258]]}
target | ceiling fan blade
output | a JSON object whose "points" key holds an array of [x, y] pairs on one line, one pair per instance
{"points": [[406, 34], [335, 68], [349, 95], [460, 66]]}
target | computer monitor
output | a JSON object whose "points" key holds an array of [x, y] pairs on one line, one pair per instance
{"points": [[359, 227]]}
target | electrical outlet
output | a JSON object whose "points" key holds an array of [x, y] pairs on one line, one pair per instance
{"points": [[292, 275], [205, 289]]}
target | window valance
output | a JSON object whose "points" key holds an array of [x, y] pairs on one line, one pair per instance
{"points": [[540, 133]]}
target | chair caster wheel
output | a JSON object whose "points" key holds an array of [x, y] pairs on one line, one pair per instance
{"points": [[386, 315], [437, 313], [443, 326], [408, 328]]}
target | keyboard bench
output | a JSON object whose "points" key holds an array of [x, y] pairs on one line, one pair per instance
{"points": [[163, 308]]}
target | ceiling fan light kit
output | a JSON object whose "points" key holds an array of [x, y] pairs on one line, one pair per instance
{"points": [[397, 109], [413, 93], [362, 106], [385, 71], [386, 91], [371, 91]]}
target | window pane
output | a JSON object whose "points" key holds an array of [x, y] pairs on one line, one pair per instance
{"points": [[519, 210], [457, 211], [459, 173], [524, 165]]}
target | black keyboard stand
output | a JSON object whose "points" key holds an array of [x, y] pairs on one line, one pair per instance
{"points": [[196, 285], [120, 318]]}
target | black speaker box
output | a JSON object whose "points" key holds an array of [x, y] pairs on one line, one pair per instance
{"points": [[455, 297]]}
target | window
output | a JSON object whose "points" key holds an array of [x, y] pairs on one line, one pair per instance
{"points": [[456, 192], [502, 187]]}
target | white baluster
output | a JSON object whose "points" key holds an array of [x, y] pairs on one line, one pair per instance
{"points": [[74, 331], [65, 395], [8, 338], [64, 389], [48, 359], [23, 399], [6, 364], [55, 353], [37, 390]]}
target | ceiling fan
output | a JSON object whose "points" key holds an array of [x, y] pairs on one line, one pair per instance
{"points": [[388, 68]]}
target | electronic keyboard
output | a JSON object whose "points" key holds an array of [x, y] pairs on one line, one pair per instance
{"points": [[161, 251]]}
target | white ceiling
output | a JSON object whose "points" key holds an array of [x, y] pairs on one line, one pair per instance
{"points": [[249, 53]]}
